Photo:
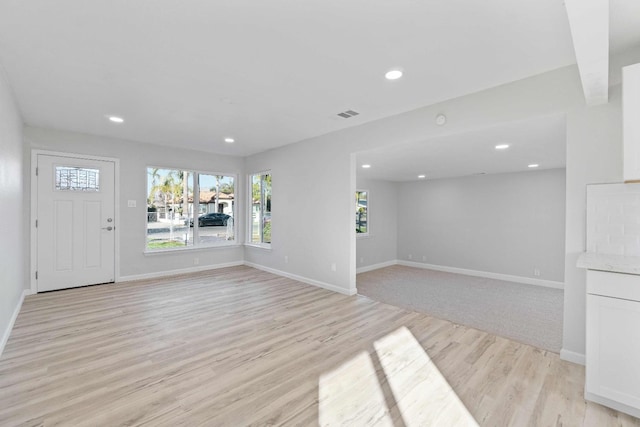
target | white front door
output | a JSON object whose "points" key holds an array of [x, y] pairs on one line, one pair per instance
{"points": [[75, 222]]}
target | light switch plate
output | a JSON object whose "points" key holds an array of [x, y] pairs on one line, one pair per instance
{"points": [[131, 203]]}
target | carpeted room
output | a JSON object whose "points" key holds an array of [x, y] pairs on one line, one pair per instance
{"points": [[465, 229]]}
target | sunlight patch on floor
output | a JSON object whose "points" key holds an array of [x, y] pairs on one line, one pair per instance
{"points": [[422, 393], [351, 395], [406, 390]]}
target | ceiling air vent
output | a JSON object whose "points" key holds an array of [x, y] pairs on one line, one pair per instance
{"points": [[348, 114]]}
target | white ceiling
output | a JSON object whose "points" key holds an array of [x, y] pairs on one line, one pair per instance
{"points": [[624, 25], [268, 73], [536, 141]]}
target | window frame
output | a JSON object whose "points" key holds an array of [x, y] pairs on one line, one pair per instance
{"points": [[196, 246], [367, 212], [249, 217]]}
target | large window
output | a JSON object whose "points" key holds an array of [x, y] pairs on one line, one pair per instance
{"points": [[362, 211], [260, 221], [187, 209]]}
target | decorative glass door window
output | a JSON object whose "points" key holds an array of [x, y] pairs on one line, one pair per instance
{"points": [[70, 178]]}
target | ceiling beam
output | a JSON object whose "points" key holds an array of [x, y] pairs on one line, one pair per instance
{"points": [[589, 22]]}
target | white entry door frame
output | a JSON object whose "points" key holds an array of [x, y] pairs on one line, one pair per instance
{"points": [[34, 208]]}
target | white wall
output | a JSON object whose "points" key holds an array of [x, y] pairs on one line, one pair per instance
{"points": [[321, 172], [134, 159], [11, 221], [505, 223], [312, 214], [380, 246], [594, 155], [314, 180]]}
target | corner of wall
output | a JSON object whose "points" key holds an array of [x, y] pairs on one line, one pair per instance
{"points": [[572, 356], [11, 195], [7, 332]]}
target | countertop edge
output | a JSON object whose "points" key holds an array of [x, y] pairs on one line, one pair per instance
{"points": [[610, 263]]}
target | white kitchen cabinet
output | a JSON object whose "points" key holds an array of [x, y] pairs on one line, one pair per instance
{"points": [[613, 341], [631, 121]]}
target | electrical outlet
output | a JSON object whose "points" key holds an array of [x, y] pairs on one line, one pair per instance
{"points": [[286, 259], [424, 257], [410, 256], [361, 260], [536, 271], [196, 261], [333, 266]]}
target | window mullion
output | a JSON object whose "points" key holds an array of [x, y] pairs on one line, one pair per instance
{"points": [[196, 208], [262, 204]]}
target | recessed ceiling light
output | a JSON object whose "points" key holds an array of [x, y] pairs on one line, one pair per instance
{"points": [[502, 146], [533, 165], [229, 140], [116, 119], [366, 166], [393, 74], [421, 176]]}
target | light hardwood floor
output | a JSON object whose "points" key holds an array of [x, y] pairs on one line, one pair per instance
{"points": [[238, 346]]}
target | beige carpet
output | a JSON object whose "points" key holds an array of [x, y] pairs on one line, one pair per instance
{"points": [[525, 313]]}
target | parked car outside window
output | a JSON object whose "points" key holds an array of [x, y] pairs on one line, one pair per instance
{"points": [[212, 219]]}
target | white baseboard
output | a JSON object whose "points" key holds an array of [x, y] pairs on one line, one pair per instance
{"points": [[12, 321], [302, 279], [634, 412], [486, 274], [572, 356], [165, 273], [376, 266]]}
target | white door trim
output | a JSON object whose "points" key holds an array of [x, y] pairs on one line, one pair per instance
{"points": [[34, 208]]}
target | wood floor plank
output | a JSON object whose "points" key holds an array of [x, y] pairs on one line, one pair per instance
{"points": [[238, 346]]}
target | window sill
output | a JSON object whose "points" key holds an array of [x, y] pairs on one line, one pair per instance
{"points": [[263, 246], [363, 235], [191, 249]]}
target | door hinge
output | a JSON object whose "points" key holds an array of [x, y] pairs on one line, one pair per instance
{"points": [[36, 223], [36, 275], [36, 171]]}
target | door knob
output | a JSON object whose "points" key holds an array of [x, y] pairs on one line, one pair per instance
{"points": [[109, 228]]}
